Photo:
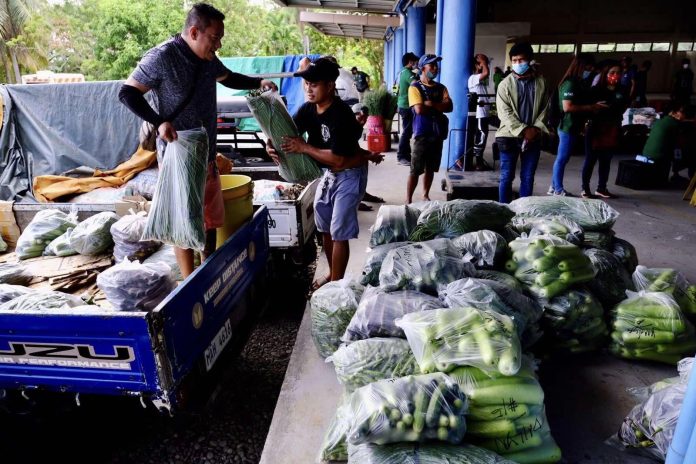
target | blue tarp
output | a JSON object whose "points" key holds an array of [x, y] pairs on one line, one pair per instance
{"points": [[292, 88]]}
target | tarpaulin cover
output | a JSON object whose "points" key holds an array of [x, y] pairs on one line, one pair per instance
{"points": [[52, 128]]}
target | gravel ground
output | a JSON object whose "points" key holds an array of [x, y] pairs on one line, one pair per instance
{"points": [[230, 426]]}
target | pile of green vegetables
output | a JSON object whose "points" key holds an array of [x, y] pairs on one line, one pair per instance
{"points": [[458, 217], [485, 249], [61, 245], [276, 123], [46, 226], [558, 226], [393, 224], [668, 281], [548, 265], [332, 308], [650, 326], [446, 338]]}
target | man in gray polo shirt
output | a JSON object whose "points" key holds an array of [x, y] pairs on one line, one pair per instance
{"points": [[183, 72]]}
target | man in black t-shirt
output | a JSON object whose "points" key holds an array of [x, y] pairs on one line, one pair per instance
{"points": [[332, 141]]}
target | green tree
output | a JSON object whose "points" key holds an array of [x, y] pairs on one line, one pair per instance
{"points": [[18, 48]]}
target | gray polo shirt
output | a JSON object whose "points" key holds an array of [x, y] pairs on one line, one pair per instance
{"points": [[525, 99], [171, 70]]}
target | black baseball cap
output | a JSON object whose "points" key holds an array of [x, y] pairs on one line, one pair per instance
{"points": [[322, 69], [409, 56]]}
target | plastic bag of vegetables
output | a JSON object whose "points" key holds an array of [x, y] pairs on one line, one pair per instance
{"points": [[668, 281], [428, 453], [132, 286], [626, 253], [588, 214], [61, 245], [166, 255], [366, 361], [506, 414], [458, 217], [446, 338], [334, 447], [491, 295], [650, 326], [598, 239], [649, 427], [126, 233], [574, 320], [47, 225], [15, 274], [612, 280], [176, 216], [374, 260], [275, 121], [559, 226], [500, 277], [548, 265], [42, 301], [484, 248], [393, 224], [10, 292], [93, 235], [378, 311], [423, 266], [407, 409], [333, 306]]}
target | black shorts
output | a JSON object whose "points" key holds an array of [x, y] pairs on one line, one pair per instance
{"points": [[426, 154]]}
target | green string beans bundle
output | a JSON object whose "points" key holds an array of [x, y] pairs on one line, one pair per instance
{"points": [[276, 123]]}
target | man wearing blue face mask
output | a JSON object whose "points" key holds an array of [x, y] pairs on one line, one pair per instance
{"points": [[522, 102]]}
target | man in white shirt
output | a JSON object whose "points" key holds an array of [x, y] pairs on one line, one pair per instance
{"points": [[478, 84]]}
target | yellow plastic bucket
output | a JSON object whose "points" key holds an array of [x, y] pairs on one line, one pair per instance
{"points": [[238, 196]]}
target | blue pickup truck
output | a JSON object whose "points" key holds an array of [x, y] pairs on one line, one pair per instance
{"points": [[148, 355]]}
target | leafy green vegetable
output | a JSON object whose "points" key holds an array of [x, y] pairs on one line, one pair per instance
{"points": [[588, 214], [333, 306], [458, 217], [393, 224]]}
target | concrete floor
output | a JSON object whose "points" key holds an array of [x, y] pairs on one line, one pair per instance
{"points": [[586, 397]]}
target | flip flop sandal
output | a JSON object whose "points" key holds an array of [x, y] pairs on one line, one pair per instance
{"points": [[364, 207]]}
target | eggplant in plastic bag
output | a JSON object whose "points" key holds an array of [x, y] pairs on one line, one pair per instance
{"points": [[378, 311], [408, 409], [333, 306], [176, 216], [484, 248], [393, 224], [132, 286]]}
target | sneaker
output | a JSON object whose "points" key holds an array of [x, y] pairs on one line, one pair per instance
{"points": [[604, 193], [404, 162], [586, 193], [551, 191], [564, 193]]}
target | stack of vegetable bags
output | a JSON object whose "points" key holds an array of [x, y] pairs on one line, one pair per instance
{"points": [[47, 225], [276, 123], [42, 301], [423, 266], [649, 427], [548, 265], [333, 306], [132, 286], [506, 414], [126, 233], [485, 249], [668, 281], [458, 217], [574, 321], [446, 338], [558, 226], [93, 235], [393, 224], [430, 453], [650, 326], [373, 262], [590, 215]]}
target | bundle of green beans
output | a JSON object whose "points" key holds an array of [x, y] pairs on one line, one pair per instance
{"points": [[276, 123]]}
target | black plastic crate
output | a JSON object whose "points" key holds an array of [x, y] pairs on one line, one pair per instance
{"points": [[641, 176]]}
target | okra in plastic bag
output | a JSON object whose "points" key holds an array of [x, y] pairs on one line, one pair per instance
{"points": [[444, 339], [408, 409], [46, 226], [423, 267], [393, 224], [365, 361], [668, 281], [176, 216], [483, 248], [427, 453], [373, 262], [61, 245], [558, 226], [612, 280], [132, 286], [334, 447], [588, 214], [650, 326], [126, 233], [93, 235], [378, 311], [458, 217], [491, 295], [333, 306], [574, 321]]}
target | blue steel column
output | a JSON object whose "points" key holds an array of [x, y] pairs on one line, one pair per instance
{"points": [[387, 68], [457, 35], [415, 30], [438, 26], [399, 39]]}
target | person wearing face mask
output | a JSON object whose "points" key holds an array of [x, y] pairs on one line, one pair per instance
{"points": [[522, 103], [183, 73], [406, 77], [683, 83], [429, 101], [602, 129], [572, 102]]}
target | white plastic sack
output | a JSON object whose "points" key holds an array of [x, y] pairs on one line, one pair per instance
{"points": [[61, 245], [47, 225], [166, 255], [10, 292], [126, 233], [484, 248], [132, 286], [333, 306], [93, 235], [373, 262], [588, 214], [42, 301], [393, 224]]}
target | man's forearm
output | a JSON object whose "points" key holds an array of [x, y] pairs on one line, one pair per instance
{"points": [[135, 101], [235, 80], [334, 161]]}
